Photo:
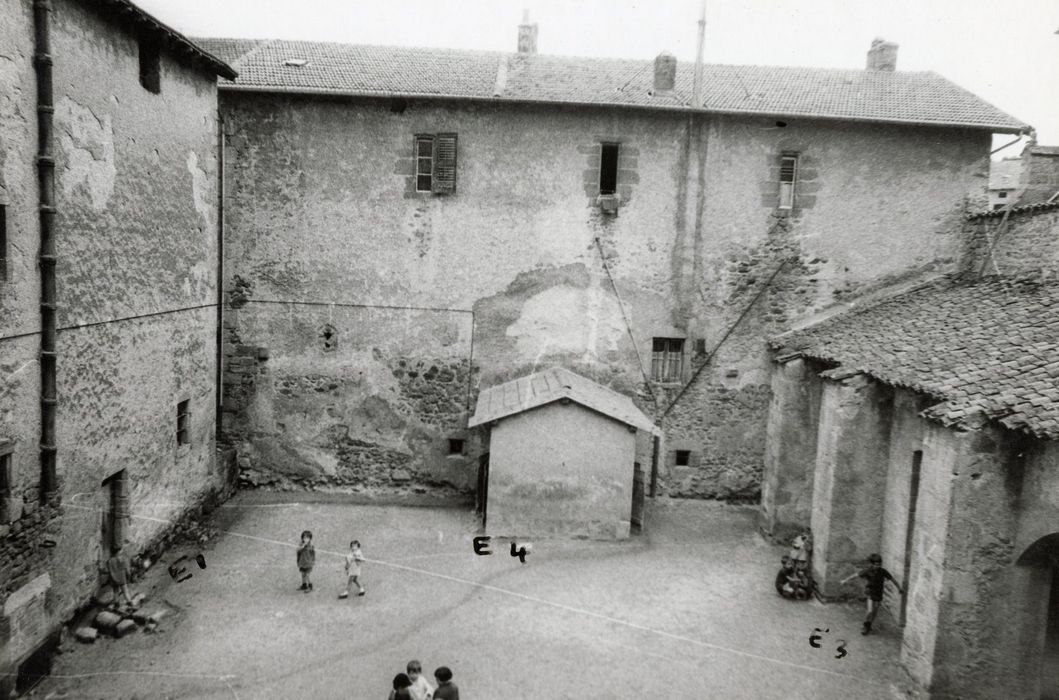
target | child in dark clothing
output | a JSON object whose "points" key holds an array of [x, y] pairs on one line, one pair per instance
{"points": [[306, 560], [401, 685], [447, 690], [875, 578]]}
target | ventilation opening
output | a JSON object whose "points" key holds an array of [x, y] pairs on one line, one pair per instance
{"points": [[455, 446], [398, 105], [296, 62], [329, 336], [682, 458], [37, 667], [150, 66], [608, 168]]}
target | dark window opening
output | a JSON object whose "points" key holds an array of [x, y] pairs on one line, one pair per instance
{"points": [[700, 346], [115, 491], [37, 667], [455, 446], [6, 481], [3, 242], [788, 177], [398, 105], [183, 418], [667, 359], [1002, 195], [608, 168], [150, 66], [781, 124], [682, 458]]}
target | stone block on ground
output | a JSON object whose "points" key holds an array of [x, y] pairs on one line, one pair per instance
{"points": [[125, 626], [156, 616], [86, 634], [139, 599], [400, 475], [107, 621]]}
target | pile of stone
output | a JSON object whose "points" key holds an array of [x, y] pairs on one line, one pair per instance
{"points": [[120, 620]]}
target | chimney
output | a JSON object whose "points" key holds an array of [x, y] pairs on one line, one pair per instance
{"points": [[527, 35], [665, 72], [882, 55]]}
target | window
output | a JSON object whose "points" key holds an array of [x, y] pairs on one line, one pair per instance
{"points": [[682, 458], [150, 65], [455, 446], [608, 168], [435, 156], [3, 242], [788, 176], [667, 359], [6, 479], [1002, 195], [183, 418]]}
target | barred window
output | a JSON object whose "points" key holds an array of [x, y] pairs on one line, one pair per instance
{"points": [[667, 359]]}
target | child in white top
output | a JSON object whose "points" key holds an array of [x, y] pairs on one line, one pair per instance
{"points": [[353, 560]]}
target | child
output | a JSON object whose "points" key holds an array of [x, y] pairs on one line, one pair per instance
{"points": [[353, 560], [118, 568], [420, 688], [306, 560], [401, 688], [875, 578], [447, 690]]}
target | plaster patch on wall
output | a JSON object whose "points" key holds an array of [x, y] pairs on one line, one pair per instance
{"points": [[200, 187], [568, 319], [88, 146]]}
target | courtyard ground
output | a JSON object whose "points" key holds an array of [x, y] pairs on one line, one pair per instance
{"points": [[686, 610]]}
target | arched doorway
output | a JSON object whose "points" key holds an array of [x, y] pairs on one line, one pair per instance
{"points": [[1044, 555]]}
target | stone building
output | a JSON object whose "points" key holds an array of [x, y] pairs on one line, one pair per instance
{"points": [[404, 226], [108, 299], [565, 456], [925, 426]]}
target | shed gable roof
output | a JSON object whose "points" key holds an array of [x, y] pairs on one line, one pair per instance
{"points": [[341, 69], [984, 350], [535, 390]]}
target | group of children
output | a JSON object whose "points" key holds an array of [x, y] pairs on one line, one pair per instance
{"points": [[307, 560], [413, 686]]}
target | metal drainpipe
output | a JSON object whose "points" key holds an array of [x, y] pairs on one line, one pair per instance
{"points": [[42, 63], [219, 404]]}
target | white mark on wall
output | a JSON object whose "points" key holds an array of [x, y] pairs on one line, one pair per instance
{"points": [[87, 144], [200, 187], [568, 319]]}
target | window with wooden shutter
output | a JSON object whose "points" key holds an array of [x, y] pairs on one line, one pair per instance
{"points": [[667, 359], [444, 164], [788, 176], [424, 163]]}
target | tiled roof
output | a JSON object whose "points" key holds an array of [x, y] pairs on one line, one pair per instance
{"points": [[1021, 209], [542, 388], [884, 96], [986, 351], [126, 11]]}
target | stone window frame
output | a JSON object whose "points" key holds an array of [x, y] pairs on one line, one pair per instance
{"points": [[626, 178], [787, 196], [7, 478], [806, 184]]}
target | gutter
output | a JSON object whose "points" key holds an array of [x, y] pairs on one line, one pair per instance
{"points": [[678, 108]]}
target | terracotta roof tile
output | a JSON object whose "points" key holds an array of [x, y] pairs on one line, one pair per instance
{"points": [[883, 96], [989, 347]]}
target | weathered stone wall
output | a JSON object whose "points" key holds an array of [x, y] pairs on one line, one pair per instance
{"points": [[560, 469], [1025, 245], [136, 243], [320, 209]]}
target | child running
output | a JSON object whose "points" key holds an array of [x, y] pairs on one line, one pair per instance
{"points": [[306, 560], [875, 579], [353, 560]]}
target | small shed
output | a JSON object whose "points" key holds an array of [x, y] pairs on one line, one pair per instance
{"points": [[562, 457]]}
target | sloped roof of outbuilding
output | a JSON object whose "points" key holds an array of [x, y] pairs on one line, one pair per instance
{"points": [[860, 95], [540, 388], [986, 350]]}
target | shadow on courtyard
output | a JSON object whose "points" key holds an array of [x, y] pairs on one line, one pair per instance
{"points": [[685, 610]]}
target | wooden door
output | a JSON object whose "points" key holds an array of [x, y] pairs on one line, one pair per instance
{"points": [[637, 497]]}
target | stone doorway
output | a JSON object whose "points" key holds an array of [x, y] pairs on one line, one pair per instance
{"points": [[1050, 660]]}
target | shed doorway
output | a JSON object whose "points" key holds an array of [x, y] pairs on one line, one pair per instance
{"points": [[636, 519], [1050, 660]]}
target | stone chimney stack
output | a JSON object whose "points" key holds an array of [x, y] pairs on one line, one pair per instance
{"points": [[882, 55], [665, 72], [527, 35]]}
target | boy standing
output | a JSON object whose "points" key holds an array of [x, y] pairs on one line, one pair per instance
{"points": [[875, 579], [353, 560], [420, 688], [118, 569], [447, 690], [306, 560]]}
